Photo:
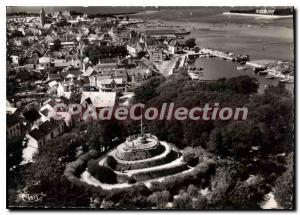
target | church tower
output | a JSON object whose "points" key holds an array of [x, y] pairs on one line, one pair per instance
{"points": [[42, 17]]}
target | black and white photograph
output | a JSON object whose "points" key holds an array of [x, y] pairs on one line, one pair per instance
{"points": [[150, 107]]}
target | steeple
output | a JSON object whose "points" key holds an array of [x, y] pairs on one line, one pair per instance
{"points": [[42, 17]]}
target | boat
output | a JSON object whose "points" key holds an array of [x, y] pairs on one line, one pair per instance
{"points": [[263, 72], [241, 68], [270, 77], [192, 68]]}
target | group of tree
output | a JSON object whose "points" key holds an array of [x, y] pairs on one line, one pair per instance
{"points": [[14, 152], [191, 43], [96, 53], [268, 128], [267, 131], [45, 175], [56, 45], [103, 135]]}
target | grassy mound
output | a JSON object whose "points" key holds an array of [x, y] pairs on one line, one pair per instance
{"points": [[146, 164], [141, 154]]}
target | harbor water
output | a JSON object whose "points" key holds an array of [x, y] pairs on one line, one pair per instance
{"points": [[216, 68]]}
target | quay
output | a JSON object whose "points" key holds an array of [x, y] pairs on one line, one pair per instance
{"points": [[205, 52]]}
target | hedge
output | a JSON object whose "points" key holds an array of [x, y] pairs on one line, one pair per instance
{"points": [[102, 173]]}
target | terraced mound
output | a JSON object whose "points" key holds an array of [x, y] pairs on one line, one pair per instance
{"points": [[142, 158], [138, 148]]}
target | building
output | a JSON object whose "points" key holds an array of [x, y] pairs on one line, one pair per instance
{"points": [[53, 77], [13, 126], [44, 63], [65, 89], [98, 99], [110, 84], [10, 109], [266, 11], [138, 75], [90, 71], [61, 63], [160, 33], [135, 48], [47, 131], [174, 47], [156, 54], [275, 11]]}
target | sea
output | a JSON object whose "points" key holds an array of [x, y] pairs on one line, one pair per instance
{"points": [[260, 37]]}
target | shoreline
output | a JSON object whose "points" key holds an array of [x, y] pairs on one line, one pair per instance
{"points": [[206, 29]]}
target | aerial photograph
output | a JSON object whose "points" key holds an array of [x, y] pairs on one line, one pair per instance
{"points": [[150, 108]]}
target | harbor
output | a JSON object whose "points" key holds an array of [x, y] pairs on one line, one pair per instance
{"points": [[208, 65]]}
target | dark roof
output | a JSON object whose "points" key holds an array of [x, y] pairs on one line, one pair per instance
{"points": [[47, 127], [45, 112], [53, 76], [76, 73], [88, 100], [57, 122], [11, 120], [162, 46], [52, 103], [31, 115], [37, 134]]}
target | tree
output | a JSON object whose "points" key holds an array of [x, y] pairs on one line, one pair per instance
{"points": [[56, 45], [94, 53], [102, 173], [45, 175], [148, 89], [284, 186], [14, 152], [274, 113], [141, 54], [111, 162], [190, 157], [243, 84], [14, 149], [183, 201], [235, 139], [159, 199], [192, 191], [191, 43], [108, 205], [196, 49], [201, 202], [95, 139]]}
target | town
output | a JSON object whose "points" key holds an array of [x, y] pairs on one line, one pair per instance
{"points": [[68, 58]]}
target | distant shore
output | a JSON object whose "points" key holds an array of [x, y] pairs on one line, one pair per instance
{"points": [[258, 15]]}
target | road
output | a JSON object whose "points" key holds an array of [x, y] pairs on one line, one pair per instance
{"points": [[166, 67]]}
